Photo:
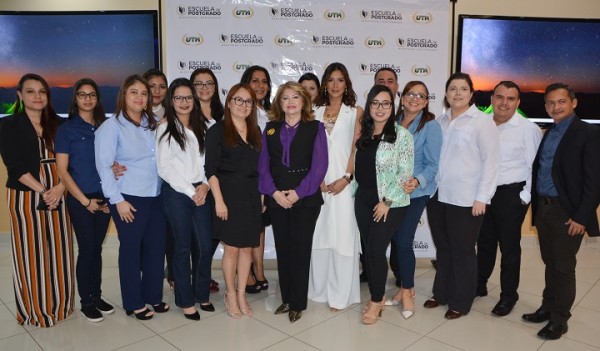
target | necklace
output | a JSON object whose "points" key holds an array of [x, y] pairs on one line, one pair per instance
{"points": [[330, 118]]}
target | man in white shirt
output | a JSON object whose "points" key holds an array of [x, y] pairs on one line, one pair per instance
{"points": [[519, 141]]}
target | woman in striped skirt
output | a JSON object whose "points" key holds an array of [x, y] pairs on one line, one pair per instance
{"points": [[41, 233]]}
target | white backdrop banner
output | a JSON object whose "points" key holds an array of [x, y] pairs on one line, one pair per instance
{"points": [[292, 37]]}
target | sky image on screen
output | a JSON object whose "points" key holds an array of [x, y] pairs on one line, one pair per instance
{"points": [[64, 47], [532, 52]]}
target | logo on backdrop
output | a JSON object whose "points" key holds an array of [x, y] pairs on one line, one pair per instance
{"points": [[425, 44], [334, 15], [241, 39], [198, 11], [292, 67], [375, 43], [284, 41], [193, 39], [422, 17], [195, 64], [240, 67], [370, 67], [243, 12], [332, 41], [291, 13], [382, 16], [421, 70]]}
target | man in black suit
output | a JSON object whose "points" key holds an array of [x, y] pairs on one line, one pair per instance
{"points": [[565, 195]]}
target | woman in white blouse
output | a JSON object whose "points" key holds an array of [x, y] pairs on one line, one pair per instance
{"points": [[466, 178], [180, 160]]}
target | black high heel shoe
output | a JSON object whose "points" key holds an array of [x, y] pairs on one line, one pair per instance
{"points": [[143, 315]]}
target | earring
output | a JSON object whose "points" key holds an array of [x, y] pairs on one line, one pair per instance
{"points": [[325, 91]]}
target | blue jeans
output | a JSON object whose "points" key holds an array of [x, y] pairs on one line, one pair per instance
{"points": [[192, 230], [404, 237], [90, 230], [141, 252]]}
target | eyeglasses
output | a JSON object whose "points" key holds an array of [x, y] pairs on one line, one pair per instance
{"points": [[386, 104], [416, 96], [92, 96], [204, 85], [179, 99], [239, 101]]}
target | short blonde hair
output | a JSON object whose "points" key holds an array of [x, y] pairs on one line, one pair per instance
{"points": [[277, 114]]}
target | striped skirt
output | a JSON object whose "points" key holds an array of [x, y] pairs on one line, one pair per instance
{"points": [[42, 255]]}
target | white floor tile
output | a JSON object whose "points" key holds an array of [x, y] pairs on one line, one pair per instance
{"points": [[291, 344], [19, 342], [155, 343]]}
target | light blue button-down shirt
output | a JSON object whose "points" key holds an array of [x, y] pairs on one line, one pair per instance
{"points": [[545, 183], [119, 140], [428, 144]]}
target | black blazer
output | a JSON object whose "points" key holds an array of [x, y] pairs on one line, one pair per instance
{"points": [[576, 174]]}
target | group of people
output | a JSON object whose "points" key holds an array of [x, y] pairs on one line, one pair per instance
{"points": [[179, 171]]}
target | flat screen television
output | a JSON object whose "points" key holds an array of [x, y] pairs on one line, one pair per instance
{"points": [[532, 52], [64, 47]]}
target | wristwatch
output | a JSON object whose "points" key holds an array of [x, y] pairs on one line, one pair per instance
{"points": [[348, 177]]}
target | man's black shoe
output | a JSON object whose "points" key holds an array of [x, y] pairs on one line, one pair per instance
{"points": [[553, 330], [503, 307], [538, 316]]}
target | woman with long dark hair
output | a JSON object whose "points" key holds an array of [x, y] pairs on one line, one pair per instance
{"points": [[259, 80], [134, 199], [40, 228], [180, 153], [292, 165], [334, 268], [86, 204], [383, 162], [427, 136], [232, 149]]}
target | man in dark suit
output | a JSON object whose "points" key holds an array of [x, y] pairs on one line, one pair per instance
{"points": [[565, 195]]}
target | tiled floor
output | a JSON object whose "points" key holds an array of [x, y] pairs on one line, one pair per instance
{"points": [[319, 329]]}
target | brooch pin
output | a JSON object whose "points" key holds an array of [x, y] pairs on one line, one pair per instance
{"points": [[271, 131]]}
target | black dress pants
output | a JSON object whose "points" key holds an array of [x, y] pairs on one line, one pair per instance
{"points": [[502, 227], [559, 251], [293, 231], [454, 231]]}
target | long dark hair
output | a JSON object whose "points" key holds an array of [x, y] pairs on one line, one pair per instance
{"points": [[120, 108], [174, 128], [349, 97], [427, 116], [98, 115], [49, 120], [216, 106], [367, 124], [155, 72], [247, 77], [230, 134]]}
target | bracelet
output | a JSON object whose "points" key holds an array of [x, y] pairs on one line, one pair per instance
{"points": [[387, 202], [346, 178], [89, 203], [43, 191]]}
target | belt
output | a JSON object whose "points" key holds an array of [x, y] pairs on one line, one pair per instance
{"points": [[510, 186], [546, 200]]}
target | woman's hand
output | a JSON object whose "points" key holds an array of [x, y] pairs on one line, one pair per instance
{"points": [[96, 205], [478, 208], [282, 200], [199, 197], [53, 196], [324, 188], [263, 208], [221, 210], [292, 196], [337, 186], [126, 210], [380, 211], [118, 169], [410, 185]]}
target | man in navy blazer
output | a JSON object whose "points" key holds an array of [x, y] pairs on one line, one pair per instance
{"points": [[565, 196]]}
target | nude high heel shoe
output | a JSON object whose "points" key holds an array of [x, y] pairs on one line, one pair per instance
{"points": [[373, 311]]}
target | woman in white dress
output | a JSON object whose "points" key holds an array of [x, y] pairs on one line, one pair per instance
{"points": [[334, 272]]}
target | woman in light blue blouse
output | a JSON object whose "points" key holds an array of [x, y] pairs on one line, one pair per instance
{"points": [[383, 162], [128, 138], [427, 136]]}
